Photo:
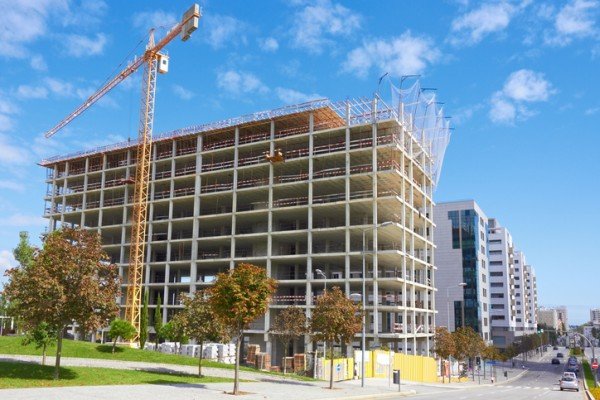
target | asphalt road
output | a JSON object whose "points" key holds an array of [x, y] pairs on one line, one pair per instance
{"points": [[539, 382]]}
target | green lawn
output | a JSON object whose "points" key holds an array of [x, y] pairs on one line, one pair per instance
{"points": [[22, 375], [79, 349], [589, 378]]}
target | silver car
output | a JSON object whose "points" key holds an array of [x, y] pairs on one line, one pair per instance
{"points": [[568, 382]]}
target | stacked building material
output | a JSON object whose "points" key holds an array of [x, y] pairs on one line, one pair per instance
{"points": [[263, 361], [299, 362], [289, 363], [252, 350]]}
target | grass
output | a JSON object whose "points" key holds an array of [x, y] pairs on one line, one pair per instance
{"points": [[575, 351], [22, 375], [589, 379], [79, 349]]}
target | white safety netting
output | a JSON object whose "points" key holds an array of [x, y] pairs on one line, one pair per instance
{"points": [[423, 115]]}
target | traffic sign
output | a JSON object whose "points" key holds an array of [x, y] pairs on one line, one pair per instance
{"points": [[595, 365]]}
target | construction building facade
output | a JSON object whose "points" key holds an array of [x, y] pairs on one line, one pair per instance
{"points": [[291, 190]]}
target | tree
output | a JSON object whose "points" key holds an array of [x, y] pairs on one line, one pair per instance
{"points": [[42, 336], [24, 252], [173, 331], [444, 345], [123, 329], [335, 318], [69, 280], [157, 321], [143, 337], [200, 322], [237, 298], [467, 344], [287, 326]]}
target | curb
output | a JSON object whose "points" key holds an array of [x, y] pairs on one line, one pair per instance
{"points": [[404, 393]]}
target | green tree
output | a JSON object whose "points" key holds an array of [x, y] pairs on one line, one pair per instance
{"points": [[120, 328], [144, 321], [157, 320], [287, 326], [444, 345], [173, 331], [42, 336], [237, 298], [335, 319], [200, 322], [70, 279], [24, 252]]}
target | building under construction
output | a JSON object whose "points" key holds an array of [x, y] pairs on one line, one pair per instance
{"points": [[296, 190]]}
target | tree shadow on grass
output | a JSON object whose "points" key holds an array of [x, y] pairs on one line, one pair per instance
{"points": [[27, 370], [105, 348]]}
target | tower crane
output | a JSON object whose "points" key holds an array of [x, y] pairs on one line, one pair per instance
{"points": [[154, 62]]}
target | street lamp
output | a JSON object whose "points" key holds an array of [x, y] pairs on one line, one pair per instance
{"points": [[319, 272], [462, 284], [364, 298]]}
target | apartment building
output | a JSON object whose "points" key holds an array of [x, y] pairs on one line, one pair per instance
{"points": [[506, 305], [291, 190], [532, 300], [462, 278], [548, 317], [563, 318], [595, 316]]}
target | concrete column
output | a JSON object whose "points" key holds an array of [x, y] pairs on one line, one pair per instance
{"points": [[236, 156]]}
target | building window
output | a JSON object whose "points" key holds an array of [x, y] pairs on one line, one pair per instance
{"points": [[495, 251], [495, 262], [497, 306], [496, 273], [495, 240], [497, 284], [483, 278], [497, 295], [516, 261], [453, 216], [498, 318]]}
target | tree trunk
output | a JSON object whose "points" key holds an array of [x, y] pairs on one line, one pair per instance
{"points": [[59, 338], [331, 366], [285, 349], [44, 354], [114, 345], [200, 360], [236, 377]]}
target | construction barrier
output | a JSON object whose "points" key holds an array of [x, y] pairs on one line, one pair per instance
{"points": [[380, 364]]}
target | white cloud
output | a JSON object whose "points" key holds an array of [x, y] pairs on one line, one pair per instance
{"points": [[23, 220], [154, 19], [32, 92], [592, 110], [318, 22], [182, 92], [12, 154], [269, 44], [7, 109], [236, 83], [222, 30], [38, 63], [12, 185], [291, 96], [6, 106], [402, 55], [527, 85], [7, 261], [472, 27], [522, 86], [577, 19], [81, 46]]}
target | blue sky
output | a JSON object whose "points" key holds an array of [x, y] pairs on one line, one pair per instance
{"points": [[519, 78]]}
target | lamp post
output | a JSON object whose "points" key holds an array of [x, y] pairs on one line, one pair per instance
{"points": [[462, 284], [364, 299]]}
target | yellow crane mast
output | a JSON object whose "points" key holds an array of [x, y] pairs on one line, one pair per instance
{"points": [[154, 62]]}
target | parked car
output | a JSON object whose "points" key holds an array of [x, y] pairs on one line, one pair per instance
{"points": [[567, 382], [555, 361], [569, 374], [560, 355], [555, 348]]}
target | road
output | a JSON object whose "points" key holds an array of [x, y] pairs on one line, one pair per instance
{"points": [[539, 382]]}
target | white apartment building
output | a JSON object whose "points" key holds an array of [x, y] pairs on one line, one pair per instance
{"points": [[218, 197], [595, 316], [548, 317], [531, 296], [505, 306], [461, 230]]}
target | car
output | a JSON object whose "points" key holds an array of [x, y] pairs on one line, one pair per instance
{"points": [[569, 374], [555, 361], [572, 369], [560, 355], [570, 383], [555, 348]]}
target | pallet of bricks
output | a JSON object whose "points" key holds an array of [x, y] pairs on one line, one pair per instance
{"points": [[263, 361], [251, 355], [299, 363]]}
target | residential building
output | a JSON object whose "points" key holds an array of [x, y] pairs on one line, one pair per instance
{"points": [[461, 230], [563, 318], [506, 302], [595, 316], [292, 190], [548, 317], [530, 322]]}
